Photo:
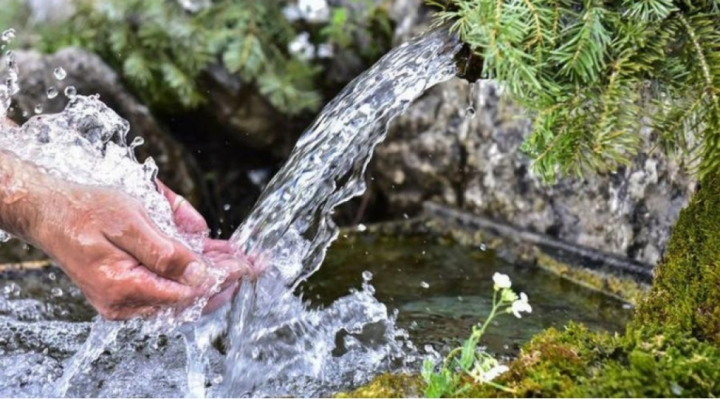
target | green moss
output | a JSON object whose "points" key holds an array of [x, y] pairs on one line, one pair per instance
{"points": [[388, 386], [686, 290], [581, 363], [624, 288]]}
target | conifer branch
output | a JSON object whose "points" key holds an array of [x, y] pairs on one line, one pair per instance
{"points": [[593, 73]]}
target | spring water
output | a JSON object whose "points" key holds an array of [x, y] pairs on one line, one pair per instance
{"points": [[268, 341]]}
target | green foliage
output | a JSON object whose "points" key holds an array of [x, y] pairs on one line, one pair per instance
{"points": [[592, 73], [161, 50]]}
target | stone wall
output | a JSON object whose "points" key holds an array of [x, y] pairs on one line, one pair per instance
{"points": [[437, 152]]}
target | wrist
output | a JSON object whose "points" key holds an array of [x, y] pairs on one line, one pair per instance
{"points": [[22, 189]]}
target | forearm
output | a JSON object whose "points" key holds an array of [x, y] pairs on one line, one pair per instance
{"points": [[21, 185]]}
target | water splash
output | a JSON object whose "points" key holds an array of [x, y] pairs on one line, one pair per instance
{"points": [[277, 345], [10, 86], [273, 337]]}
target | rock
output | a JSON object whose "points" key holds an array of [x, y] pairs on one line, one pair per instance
{"points": [[16, 251], [90, 75], [437, 152]]}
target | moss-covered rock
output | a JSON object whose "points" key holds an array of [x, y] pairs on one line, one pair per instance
{"points": [[686, 290], [388, 386], [670, 349], [579, 363]]}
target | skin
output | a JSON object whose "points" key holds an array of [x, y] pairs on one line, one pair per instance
{"points": [[106, 243]]}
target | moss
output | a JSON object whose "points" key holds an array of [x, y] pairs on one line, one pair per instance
{"points": [[624, 288], [388, 386], [581, 363], [686, 290]]}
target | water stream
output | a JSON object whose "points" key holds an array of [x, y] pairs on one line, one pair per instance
{"points": [[271, 342]]}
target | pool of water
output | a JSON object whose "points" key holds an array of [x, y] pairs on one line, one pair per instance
{"points": [[439, 290]]}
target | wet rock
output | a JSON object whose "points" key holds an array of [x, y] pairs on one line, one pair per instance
{"points": [[437, 152], [88, 74], [16, 251]]}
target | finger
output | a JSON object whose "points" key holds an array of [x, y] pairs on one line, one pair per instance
{"points": [[212, 245], [188, 219], [234, 268], [160, 254], [141, 293]]}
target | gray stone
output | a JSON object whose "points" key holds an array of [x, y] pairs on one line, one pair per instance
{"points": [[437, 152], [90, 75]]}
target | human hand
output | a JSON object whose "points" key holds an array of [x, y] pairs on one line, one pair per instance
{"points": [[105, 241], [219, 253]]}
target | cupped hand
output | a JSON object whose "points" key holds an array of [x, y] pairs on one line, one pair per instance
{"points": [[219, 253], [126, 267], [106, 242]]}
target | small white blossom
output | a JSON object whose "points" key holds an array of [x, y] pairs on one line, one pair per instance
{"points": [[325, 50], [521, 306], [292, 13], [501, 281], [481, 376], [301, 47], [313, 11]]}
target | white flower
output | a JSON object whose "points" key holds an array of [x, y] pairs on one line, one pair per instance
{"points": [[301, 47], [501, 281], [521, 306], [325, 51], [480, 376], [292, 13], [313, 11], [495, 372]]}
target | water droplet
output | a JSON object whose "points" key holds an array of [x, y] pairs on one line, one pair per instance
{"points": [[52, 92], [11, 289], [8, 35], [470, 112], [217, 380], [424, 285], [38, 109], [52, 276], [25, 114], [70, 92], [137, 142], [405, 215], [226, 207], [361, 227], [460, 299], [255, 353], [483, 247], [367, 276], [56, 292], [59, 73]]}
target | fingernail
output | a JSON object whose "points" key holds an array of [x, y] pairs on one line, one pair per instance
{"points": [[195, 274]]}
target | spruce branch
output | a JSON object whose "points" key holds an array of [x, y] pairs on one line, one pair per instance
{"points": [[593, 73]]}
